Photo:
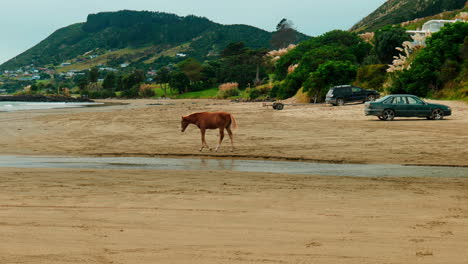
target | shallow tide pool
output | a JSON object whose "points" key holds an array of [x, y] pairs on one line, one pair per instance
{"points": [[18, 106], [198, 164]]}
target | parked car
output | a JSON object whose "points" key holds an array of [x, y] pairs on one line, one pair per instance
{"points": [[339, 95], [404, 105]]}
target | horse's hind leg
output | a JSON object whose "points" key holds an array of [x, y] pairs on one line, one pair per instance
{"points": [[221, 136], [203, 139], [231, 137]]}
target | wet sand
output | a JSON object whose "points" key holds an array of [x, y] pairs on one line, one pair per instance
{"points": [[102, 216], [299, 132]]}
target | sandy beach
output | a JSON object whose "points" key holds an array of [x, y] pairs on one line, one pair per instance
{"points": [[302, 132], [152, 216], [100, 216]]}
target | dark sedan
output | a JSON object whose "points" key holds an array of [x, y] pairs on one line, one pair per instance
{"points": [[404, 105]]}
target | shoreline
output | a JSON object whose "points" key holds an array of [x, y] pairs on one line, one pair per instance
{"points": [[43, 99]]}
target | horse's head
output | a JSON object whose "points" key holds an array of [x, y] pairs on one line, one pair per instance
{"points": [[184, 123]]}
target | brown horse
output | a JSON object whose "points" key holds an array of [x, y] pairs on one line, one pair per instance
{"points": [[216, 120]]}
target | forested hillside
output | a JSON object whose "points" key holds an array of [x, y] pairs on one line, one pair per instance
{"points": [[148, 34]]}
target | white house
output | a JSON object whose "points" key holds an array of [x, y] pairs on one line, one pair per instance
{"points": [[431, 26]]}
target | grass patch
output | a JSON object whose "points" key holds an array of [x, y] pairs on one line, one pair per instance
{"points": [[131, 54], [160, 92], [170, 53], [204, 94]]}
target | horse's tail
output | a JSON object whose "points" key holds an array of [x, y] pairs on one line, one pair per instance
{"points": [[233, 121]]}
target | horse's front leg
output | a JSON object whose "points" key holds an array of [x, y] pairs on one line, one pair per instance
{"points": [[202, 130], [221, 136]]}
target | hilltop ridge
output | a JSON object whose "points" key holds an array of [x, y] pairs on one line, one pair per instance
{"points": [[138, 37], [397, 11]]}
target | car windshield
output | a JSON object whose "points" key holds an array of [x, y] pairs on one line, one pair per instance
{"points": [[330, 93]]}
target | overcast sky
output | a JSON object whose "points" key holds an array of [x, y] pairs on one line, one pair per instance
{"points": [[24, 23]]}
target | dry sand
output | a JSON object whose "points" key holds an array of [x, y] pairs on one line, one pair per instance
{"points": [[99, 216], [309, 132], [103, 216]]}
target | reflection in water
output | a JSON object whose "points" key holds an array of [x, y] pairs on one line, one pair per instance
{"points": [[203, 163], [216, 164], [192, 164]]}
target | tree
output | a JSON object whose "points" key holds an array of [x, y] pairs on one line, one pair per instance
{"points": [[179, 81], [387, 40], [163, 77], [329, 74], [93, 75], [257, 58], [82, 82], [110, 81], [284, 35], [34, 88], [130, 84], [233, 49], [192, 69], [241, 65]]}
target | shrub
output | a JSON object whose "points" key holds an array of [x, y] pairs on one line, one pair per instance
{"points": [[263, 91], [148, 92], [228, 90], [329, 74], [130, 93], [371, 76], [254, 94], [100, 94]]}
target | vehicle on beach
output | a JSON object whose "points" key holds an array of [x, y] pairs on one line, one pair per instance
{"points": [[405, 105], [339, 95]]}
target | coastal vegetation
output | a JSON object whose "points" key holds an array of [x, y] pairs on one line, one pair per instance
{"points": [[130, 57]]}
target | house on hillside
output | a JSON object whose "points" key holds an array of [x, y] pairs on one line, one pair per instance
{"points": [[419, 36]]}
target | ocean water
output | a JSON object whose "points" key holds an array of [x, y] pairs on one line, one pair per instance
{"points": [[18, 106]]}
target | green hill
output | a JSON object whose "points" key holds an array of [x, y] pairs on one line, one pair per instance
{"points": [[398, 11], [137, 37]]}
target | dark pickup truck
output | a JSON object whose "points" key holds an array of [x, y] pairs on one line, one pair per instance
{"points": [[339, 95]]}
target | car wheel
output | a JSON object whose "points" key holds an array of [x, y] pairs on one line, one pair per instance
{"points": [[388, 115], [437, 114], [371, 98], [340, 101], [381, 117]]}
